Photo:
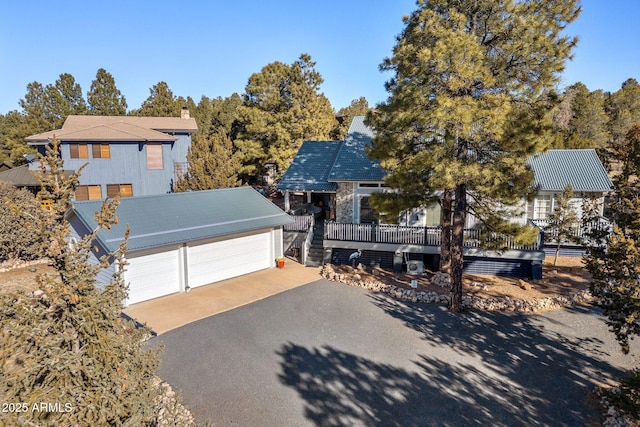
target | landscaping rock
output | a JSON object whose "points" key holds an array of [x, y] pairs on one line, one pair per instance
{"points": [[441, 279], [470, 301], [524, 285]]}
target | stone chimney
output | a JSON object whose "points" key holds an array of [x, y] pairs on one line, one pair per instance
{"points": [[184, 113]]}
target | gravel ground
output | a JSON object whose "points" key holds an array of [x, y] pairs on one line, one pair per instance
{"points": [[328, 354]]}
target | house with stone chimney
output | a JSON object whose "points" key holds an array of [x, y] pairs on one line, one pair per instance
{"points": [[339, 177], [124, 155]]}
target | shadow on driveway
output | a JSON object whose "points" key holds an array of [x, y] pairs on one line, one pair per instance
{"points": [[483, 369]]}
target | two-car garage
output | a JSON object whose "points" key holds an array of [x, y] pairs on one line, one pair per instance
{"points": [[184, 240], [197, 264]]}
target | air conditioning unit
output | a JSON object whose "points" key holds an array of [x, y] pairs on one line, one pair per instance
{"points": [[415, 267]]}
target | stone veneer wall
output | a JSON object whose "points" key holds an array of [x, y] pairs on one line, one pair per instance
{"points": [[344, 202]]}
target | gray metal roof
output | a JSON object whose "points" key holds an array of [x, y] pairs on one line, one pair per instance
{"points": [[310, 168], [554, 169], [175, 218], [352, 163]]}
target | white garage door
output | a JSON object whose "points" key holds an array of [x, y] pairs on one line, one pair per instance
{"points": [[217, 261], [152, 276]]}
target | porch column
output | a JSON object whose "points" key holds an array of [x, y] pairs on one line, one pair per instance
{"points": [[308, 196], [287, 205]]}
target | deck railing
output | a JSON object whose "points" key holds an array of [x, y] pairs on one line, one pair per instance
{"points": [[300, 223], [580, 231], [423, 236]]}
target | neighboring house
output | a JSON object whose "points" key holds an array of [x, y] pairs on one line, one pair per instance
{"points": [[21, 177], [180, 241], [126, 155], [341, 172], [4, 166]]}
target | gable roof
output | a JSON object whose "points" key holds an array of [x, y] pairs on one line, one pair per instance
{"points": [[20, 176], [352, 162], [553, 170], [582, 168], [175, 218], [117, 128], [310, 168]]}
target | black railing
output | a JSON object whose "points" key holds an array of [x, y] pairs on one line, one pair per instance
{"points": [[423, 236]]}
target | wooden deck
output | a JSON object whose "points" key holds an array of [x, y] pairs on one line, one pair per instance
{"points": [[419, 236]]}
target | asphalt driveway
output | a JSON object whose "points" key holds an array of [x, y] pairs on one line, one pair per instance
{"points": [[331, 355]]}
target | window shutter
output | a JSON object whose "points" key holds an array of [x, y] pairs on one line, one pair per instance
{"points": [[154, 156]]}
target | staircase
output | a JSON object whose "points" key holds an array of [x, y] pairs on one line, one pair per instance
{"points": [[316, 251]]}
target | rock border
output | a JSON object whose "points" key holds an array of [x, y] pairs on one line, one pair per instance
{"points": [[468, 301], [14, 264]]}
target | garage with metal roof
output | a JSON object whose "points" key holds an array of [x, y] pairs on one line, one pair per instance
{"points": [[179, 241]]}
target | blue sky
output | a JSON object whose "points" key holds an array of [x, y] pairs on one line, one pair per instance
{"points": [[211, 47]]}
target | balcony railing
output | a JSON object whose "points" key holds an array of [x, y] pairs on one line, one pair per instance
{"points": [[579, 231], [300, 223], [423, 236]]}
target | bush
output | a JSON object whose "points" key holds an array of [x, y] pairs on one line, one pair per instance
{"points": [[20, 222]]}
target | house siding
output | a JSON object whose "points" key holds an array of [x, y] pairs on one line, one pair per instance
{"points": [[128, 165]]}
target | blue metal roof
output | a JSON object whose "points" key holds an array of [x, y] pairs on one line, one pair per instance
{"points": [[352, 163], [310, 168], [554, 169], [175, 218]]}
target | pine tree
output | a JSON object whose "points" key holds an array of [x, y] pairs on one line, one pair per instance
{"points": [[469, 103], [212, 164], [613, 259], [67, 343], [345, 115], [563, 220], [282, 107], [160, 103], [104, 98], [62, 99], [588, 125]]}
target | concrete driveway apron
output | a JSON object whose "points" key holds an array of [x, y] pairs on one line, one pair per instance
{"points": [[172, 311]]}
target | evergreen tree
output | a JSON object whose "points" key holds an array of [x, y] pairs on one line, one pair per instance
{"points": [[563, 220], [623, 108], [614, 259], [34, 109], [588, 125], [20, 216], [160, 103], [14, 128], [104, 98], [345, 115], [62, 99], [469, 103], [212, 164], [67, 343], [282, 107]]}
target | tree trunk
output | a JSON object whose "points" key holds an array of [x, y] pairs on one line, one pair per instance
{"points": [[445, 232], [457, 239]]}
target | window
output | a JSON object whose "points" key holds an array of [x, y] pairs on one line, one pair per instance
{"points": [[79, 151], [367, 213], [101, 151], [154, 156], [122, 190], [542, 207], [88, 192]]}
